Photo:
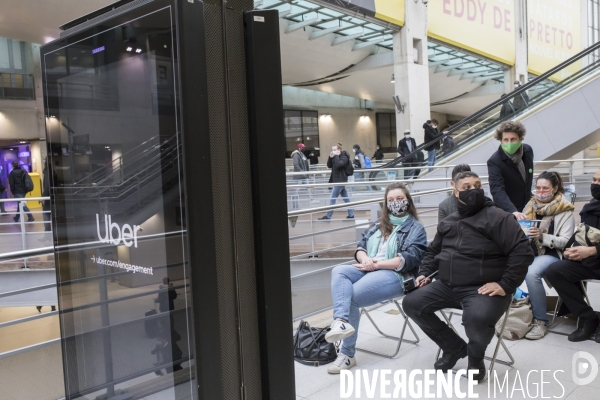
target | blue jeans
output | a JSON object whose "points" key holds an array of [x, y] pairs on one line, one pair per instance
{"points": [[431, 159], [339, 190], [25, 208], [360, 177], [535, 286], [352, 289]]}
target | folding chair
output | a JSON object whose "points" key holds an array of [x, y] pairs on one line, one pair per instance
{"points": [[494, 359], [559, 303], [400, 339]]}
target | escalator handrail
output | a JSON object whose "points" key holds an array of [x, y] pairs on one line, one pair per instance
{"points": [[500, 101]]}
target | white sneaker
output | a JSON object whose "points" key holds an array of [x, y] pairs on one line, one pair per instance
{"points": [[341, 362], [339, 330], [538, 331]]}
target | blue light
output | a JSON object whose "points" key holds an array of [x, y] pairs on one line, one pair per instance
{"points": [[98, 50]]}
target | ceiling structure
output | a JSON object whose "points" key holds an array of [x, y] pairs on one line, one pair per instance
{"points": [[322, 49]]}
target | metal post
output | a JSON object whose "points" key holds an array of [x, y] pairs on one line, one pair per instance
{"points": [[106, 334], [571, 172], [23, 232]]}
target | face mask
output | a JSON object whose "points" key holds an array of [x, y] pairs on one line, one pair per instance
{"points": [[595, 189], [397, 207], [377, 148], [336, 152], [434, 126], [354, 150], [516, 86], [406, 136], [471, 201], [511, 148], [544, 197]]}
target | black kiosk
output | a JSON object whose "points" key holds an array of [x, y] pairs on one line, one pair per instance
{"points": [[164, 130]]}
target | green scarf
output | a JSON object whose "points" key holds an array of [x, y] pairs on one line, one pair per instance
{"points": [[392, 245]]}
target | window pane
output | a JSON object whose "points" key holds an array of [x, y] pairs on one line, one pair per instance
{"points": [[17, 55], [310, 128], [4, 60], [293, 129], [386, 127]]}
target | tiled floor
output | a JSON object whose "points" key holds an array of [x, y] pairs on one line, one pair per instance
{"points": [[553, 353]]}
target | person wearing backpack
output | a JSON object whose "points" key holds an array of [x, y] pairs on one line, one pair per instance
{"points": [[20, 184], [2, 190], [341, 168], [360, 162]]}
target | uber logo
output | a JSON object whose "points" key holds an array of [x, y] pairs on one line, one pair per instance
{"points": [[127, 234]]}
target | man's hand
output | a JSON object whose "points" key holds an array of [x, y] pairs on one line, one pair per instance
{"points": [[535, 233], [492, 289], [422, 281], [579, 253], [519, 216]]}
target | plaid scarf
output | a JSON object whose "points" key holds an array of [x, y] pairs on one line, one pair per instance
{"points": [[534, 208]]}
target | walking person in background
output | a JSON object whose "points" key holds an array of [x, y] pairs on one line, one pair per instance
{"points": [[507, 108], [300, 165], [339, 162], [520, 101], [548, 242], [450, 205], [2, 190], [447, 143], [510, 169], [431, 134], [15, 180], [359, 163], [378, 156], [405, 147]]}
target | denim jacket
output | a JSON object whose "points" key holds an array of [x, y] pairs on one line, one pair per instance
{"points": [[412, 243]]}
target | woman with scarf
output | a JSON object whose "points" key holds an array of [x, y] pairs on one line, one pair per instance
{"points": [[510, 169], [580, 263], [389, 252], [548, 242]]}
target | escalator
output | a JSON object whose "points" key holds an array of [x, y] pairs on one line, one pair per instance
{"points": [[559, 109]]}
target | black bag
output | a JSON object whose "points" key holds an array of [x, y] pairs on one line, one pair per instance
{"points": [[349, 168], [27, 182], [151, 325], [310, 347]]}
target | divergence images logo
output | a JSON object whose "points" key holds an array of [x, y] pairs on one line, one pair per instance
{"points": [[126, 233], [584, 363]]}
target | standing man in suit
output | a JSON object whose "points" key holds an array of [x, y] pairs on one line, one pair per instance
{"points": [[510, 169], [405, 147]]}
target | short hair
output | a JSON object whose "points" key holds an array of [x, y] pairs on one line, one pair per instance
{"points": [[463, 175], [460, 168], [15, 164], [434, 121], [510, 126], [356, 146]]}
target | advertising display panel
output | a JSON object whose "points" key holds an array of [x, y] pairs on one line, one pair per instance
{"points": [[485, 27], [554, 29], [118, 198]]}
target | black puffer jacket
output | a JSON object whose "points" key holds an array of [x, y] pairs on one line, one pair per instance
{"points": [[489, 246], [15, 180], [338, 167]]}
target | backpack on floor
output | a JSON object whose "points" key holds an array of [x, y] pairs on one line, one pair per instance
{"points": [[310, 347], [520, 320]]}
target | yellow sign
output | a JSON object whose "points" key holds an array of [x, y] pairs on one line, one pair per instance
{"points": [[554, 28], [485, 27], [390, 11]]}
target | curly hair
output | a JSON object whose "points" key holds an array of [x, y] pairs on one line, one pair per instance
{"points": [[510, 126]]}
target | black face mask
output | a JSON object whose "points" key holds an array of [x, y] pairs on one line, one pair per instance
{"points": [[471, 201], [595, 189]]}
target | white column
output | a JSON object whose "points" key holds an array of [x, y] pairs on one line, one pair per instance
{"points": [[411, 71], [518, 72]]}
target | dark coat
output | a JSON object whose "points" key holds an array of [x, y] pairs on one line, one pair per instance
{"points": [[521, 101], [403, 148], [378, 155], [489, 246], [166, 299], [508, 189], [338, 167], [300, 164], [15, 180], [2, 188], [507, 109], [430, 134]]}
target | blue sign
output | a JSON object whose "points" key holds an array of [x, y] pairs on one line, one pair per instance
{"points": [[98, 50]]}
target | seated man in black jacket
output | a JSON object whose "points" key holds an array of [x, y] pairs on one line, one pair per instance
{"points": [[482, 256]]}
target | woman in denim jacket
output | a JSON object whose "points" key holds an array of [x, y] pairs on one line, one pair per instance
{"points": [[389, 252]]}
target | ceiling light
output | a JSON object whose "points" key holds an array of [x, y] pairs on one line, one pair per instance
{"points": [[393, 79], [165, 46], [138, 50], [129, 48]]}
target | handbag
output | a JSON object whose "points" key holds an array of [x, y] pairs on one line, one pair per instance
{"points": [[310, 346], [519, 320]]}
